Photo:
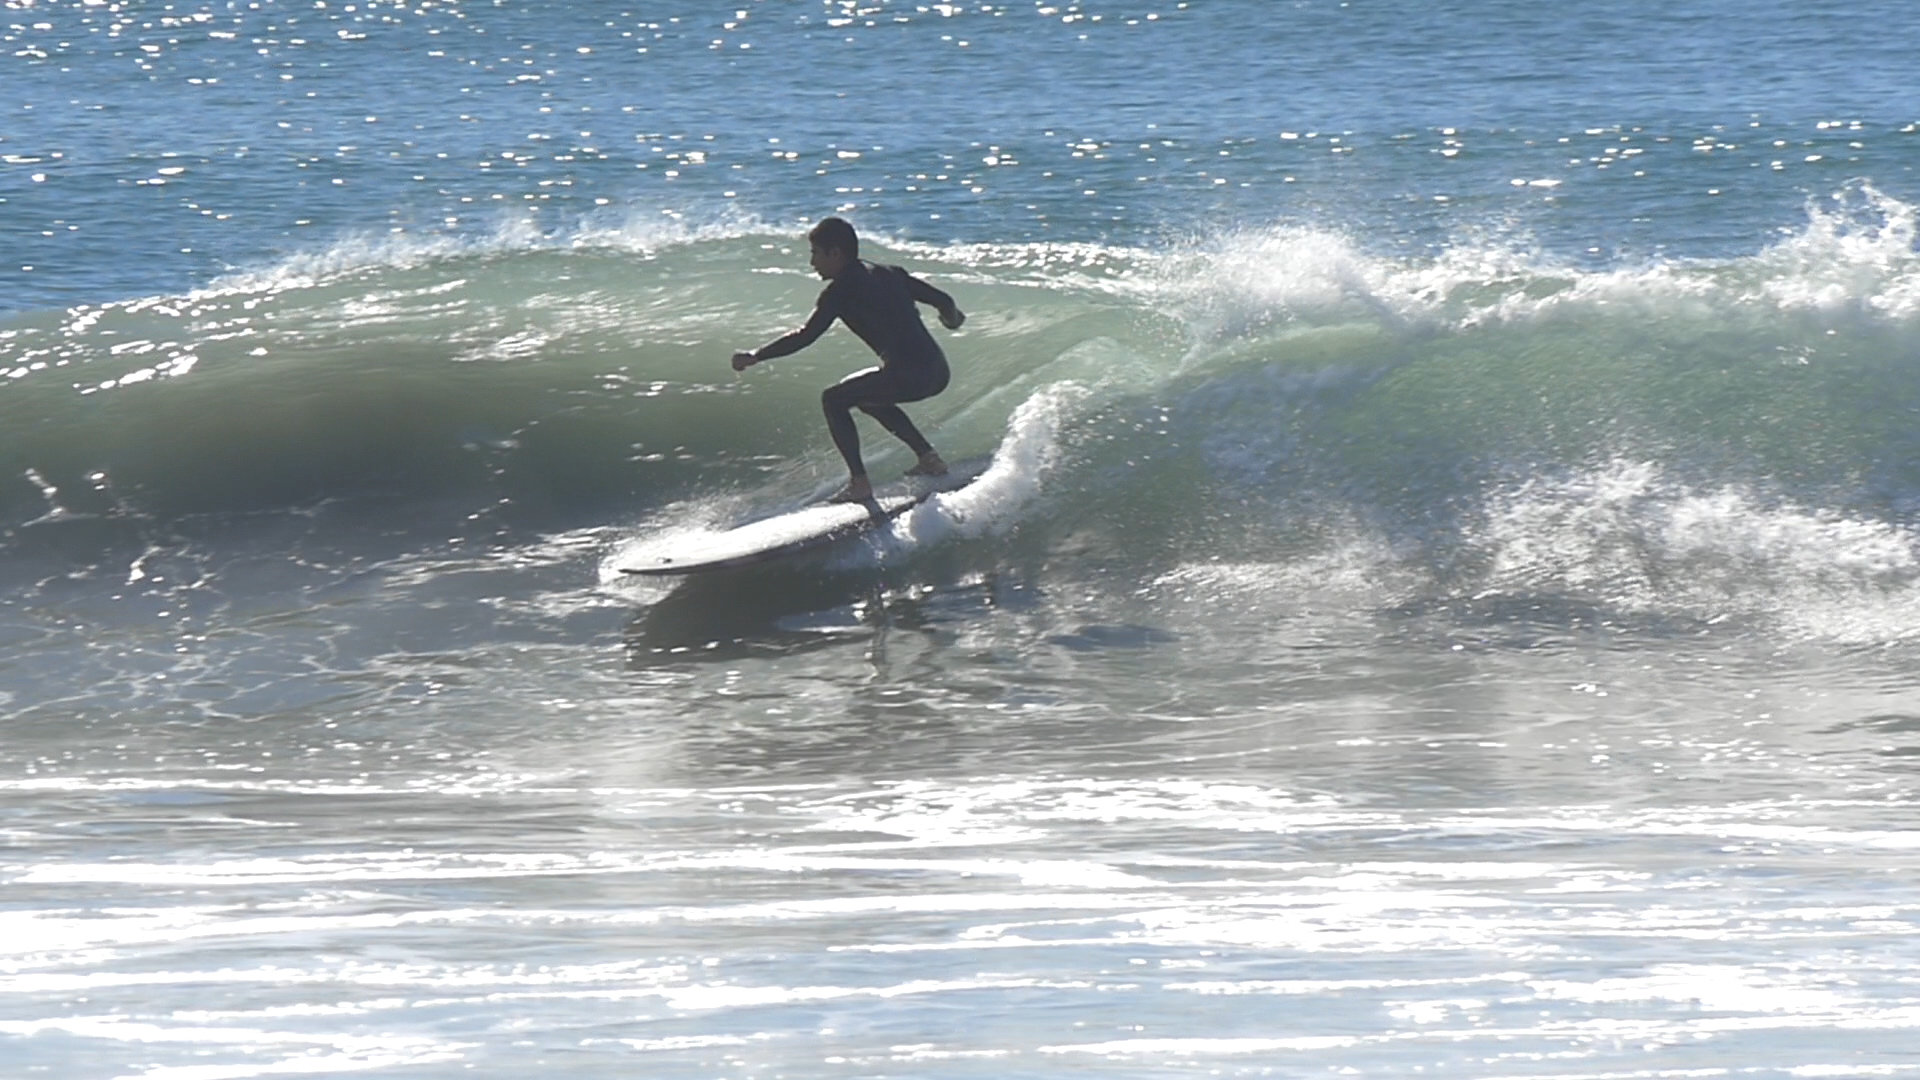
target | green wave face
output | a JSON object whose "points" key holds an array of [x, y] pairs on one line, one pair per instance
{"points": [[1266, 395]]}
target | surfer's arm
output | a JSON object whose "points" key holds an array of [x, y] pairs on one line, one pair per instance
{"points": [[950, 314], [822, 318]]}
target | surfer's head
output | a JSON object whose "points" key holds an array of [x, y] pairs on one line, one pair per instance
{"points": [[834, 246]]}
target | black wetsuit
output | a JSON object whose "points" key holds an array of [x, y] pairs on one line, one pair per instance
{"points": [[876, 302]]}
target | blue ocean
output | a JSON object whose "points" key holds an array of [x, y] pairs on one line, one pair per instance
{"points": [[1444, 600]]}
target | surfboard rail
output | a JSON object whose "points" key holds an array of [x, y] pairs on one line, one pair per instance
{"points": [[772, 538]]}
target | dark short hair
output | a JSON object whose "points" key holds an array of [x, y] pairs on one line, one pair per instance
{"points": [[835, 234]]}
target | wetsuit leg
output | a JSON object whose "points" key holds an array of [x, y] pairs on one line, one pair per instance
{"points": [[838, 401], [876, 392], [894, 419]]}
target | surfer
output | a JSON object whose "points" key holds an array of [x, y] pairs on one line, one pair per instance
{"points": [[877, 304]]}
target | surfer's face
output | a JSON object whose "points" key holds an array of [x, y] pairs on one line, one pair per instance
{"points": [[828, 262]]}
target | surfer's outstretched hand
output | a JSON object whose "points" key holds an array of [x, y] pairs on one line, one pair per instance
{"points": [[952, 318], [744, 360]]}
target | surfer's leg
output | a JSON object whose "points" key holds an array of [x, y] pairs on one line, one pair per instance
{"points": [[902, 383], [846, 437], [838, 402], [878, 392], [894, 419]]}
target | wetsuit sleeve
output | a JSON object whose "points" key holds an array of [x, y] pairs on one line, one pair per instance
{"points": [[927, 294], [825, 310]]}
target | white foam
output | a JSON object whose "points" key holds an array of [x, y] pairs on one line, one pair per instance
{"points": [[1712, 987], [736, 997], [1196, 1046], [1252, 281], [1028, 452], [307, 1052], [1856, 253], [1626, 534], [1359, 569], [684, 1042]]}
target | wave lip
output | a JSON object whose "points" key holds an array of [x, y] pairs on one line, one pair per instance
{"points": [[1856, 253], [632, 232]]}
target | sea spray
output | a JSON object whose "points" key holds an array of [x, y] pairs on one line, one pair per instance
{"points": [[1002, 495]]}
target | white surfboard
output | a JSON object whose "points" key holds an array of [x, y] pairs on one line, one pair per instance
{"points": [[793, 532]]}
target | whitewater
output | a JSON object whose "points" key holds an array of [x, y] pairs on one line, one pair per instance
{"points": [[1445, 599]]}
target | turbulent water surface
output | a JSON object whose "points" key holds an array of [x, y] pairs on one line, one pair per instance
{"points": [[1445, 600]]}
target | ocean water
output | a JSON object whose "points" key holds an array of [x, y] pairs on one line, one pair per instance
{"points": [[1445, 601]]}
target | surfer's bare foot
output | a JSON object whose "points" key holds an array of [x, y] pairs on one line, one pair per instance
{"points": [[930, 465], [858, 490]]}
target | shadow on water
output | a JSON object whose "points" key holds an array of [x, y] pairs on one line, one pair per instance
{"points": [[1888, 735], [786, 608], [1541, 619], [1880, 723], [755, 612]]}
